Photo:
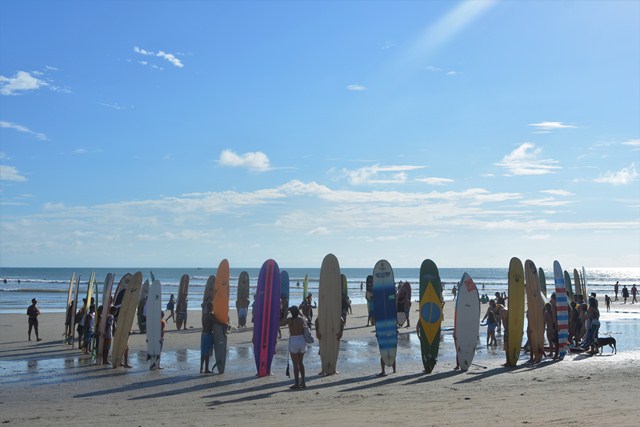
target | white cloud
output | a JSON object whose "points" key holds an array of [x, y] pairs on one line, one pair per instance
{"points": [[21, 82], [622, 177], [557, 192], [435, 181], [356, 88], [453, 73], [377, 174], [10, 173], [388, 44], [161, 54], [525, 160], [545, 202], [318, 231], [255, 161], [24, 129], [550, 126], [632, 142]]}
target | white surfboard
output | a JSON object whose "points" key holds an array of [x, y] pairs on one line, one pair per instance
{"points": [[467, 321], [154, 327]]}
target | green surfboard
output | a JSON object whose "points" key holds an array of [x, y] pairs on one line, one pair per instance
{"points": [[430, 314]]}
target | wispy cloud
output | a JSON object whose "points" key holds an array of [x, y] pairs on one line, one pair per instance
{"points": [[24, 129], [388, 44], [562, 193], [546, 127], [10, 173], [525, 160], [20, 83], [632, 142], [622, 177], [435, 181], [377, 174], [356, 88], [160, 54], [254, 161]]}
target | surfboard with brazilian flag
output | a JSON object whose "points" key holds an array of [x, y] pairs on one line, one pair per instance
{"points": [[430, 314]]}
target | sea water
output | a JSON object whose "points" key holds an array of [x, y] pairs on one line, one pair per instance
{"points": [[50, 285]]}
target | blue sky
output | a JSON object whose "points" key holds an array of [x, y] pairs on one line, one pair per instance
{"points": [[180, 133]]}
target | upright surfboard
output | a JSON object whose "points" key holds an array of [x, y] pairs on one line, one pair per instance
{"points": [[567, 284], [329, 313], [515, 303], [577, 282], [467, 321], [535, 311], [430, 314], [584, 283], [75, 309], [207, 296], [67, 319], [87, 303], [562, 309], [543, 282], [127, 312], [385, 312], [154, 324], [369, 287], [266, 313], [183, 302], [284, 287], [243, 296], [305, 287], [221, 315], [106, 304], [144, 293]]}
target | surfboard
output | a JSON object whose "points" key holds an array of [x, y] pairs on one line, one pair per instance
{"points": [[329, 313], [207, 296], [305, 287], [515, 304], [535, 311], [567, 283], [385, 311], [543, 282], [577, 281], [243, 295], [67, 319], [369, 288], [430, 314], [221, 315], [466, 326], [284, 287], [144, 293], [130, 298], [87, 303], [154, 324], [584, 283], [266, 312], [562, 312], [75, 309], [106, 304], [183, 302]]}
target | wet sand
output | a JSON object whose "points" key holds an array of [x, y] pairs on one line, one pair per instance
{"points": [[48, 383]]}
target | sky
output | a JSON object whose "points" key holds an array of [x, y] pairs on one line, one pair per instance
{"points": [[170, 134]]}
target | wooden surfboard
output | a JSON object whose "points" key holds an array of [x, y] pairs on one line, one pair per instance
{"points": [[466, 325], [543, 282], [68, 312], [106, 304], [87, 303], [154, 324], [385, 311], [430, 314], [183, 302], [243, 295], [266, 312], [577, 281], [305, 287], [567, 283], [515, 303], [329, 313], [562, 309], [207, 297], [535, 311], [221, 315], [75, 309], [584, 283], [130, 298]]}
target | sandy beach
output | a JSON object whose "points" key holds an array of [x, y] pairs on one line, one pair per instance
{"points": [[48, 383]]}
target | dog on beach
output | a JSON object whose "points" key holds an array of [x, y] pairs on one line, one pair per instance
{"points": [[610, 341]]}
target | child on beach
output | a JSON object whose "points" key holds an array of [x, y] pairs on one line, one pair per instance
{"points": [[206, 338], [33, 312], [490, 317]]}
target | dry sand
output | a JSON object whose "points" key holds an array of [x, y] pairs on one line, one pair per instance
{"points": [[48, 383]]}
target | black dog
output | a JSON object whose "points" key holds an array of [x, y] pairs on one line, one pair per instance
{"points": [[610, 341]]}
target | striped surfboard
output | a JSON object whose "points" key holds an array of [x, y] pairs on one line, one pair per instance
{"points": [[562, 311]]}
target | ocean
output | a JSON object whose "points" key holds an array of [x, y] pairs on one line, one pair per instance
{"points": [[50, 285]]}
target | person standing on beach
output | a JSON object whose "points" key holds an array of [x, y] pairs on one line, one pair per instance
{"points": [[490, 317], [607, 302], [206, 339], [625, 293], [499, 301], [552, 330], [108, 335], [33, 311], [615, 290], [297, 345], [242, 306], [307, 307], [171, 305], [89, 323], [634, 293], [80, 317]]}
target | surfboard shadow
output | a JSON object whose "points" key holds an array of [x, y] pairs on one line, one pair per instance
{"points": [[389, 379], [435, 377], [472, 376]]}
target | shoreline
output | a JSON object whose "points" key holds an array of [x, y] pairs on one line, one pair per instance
{"points": [[48, 382]]}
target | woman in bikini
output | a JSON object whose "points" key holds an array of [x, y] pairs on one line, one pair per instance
{"points": [[297, 345]]}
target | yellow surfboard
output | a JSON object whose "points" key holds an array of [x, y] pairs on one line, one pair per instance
{"points": [[515, 303]]}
